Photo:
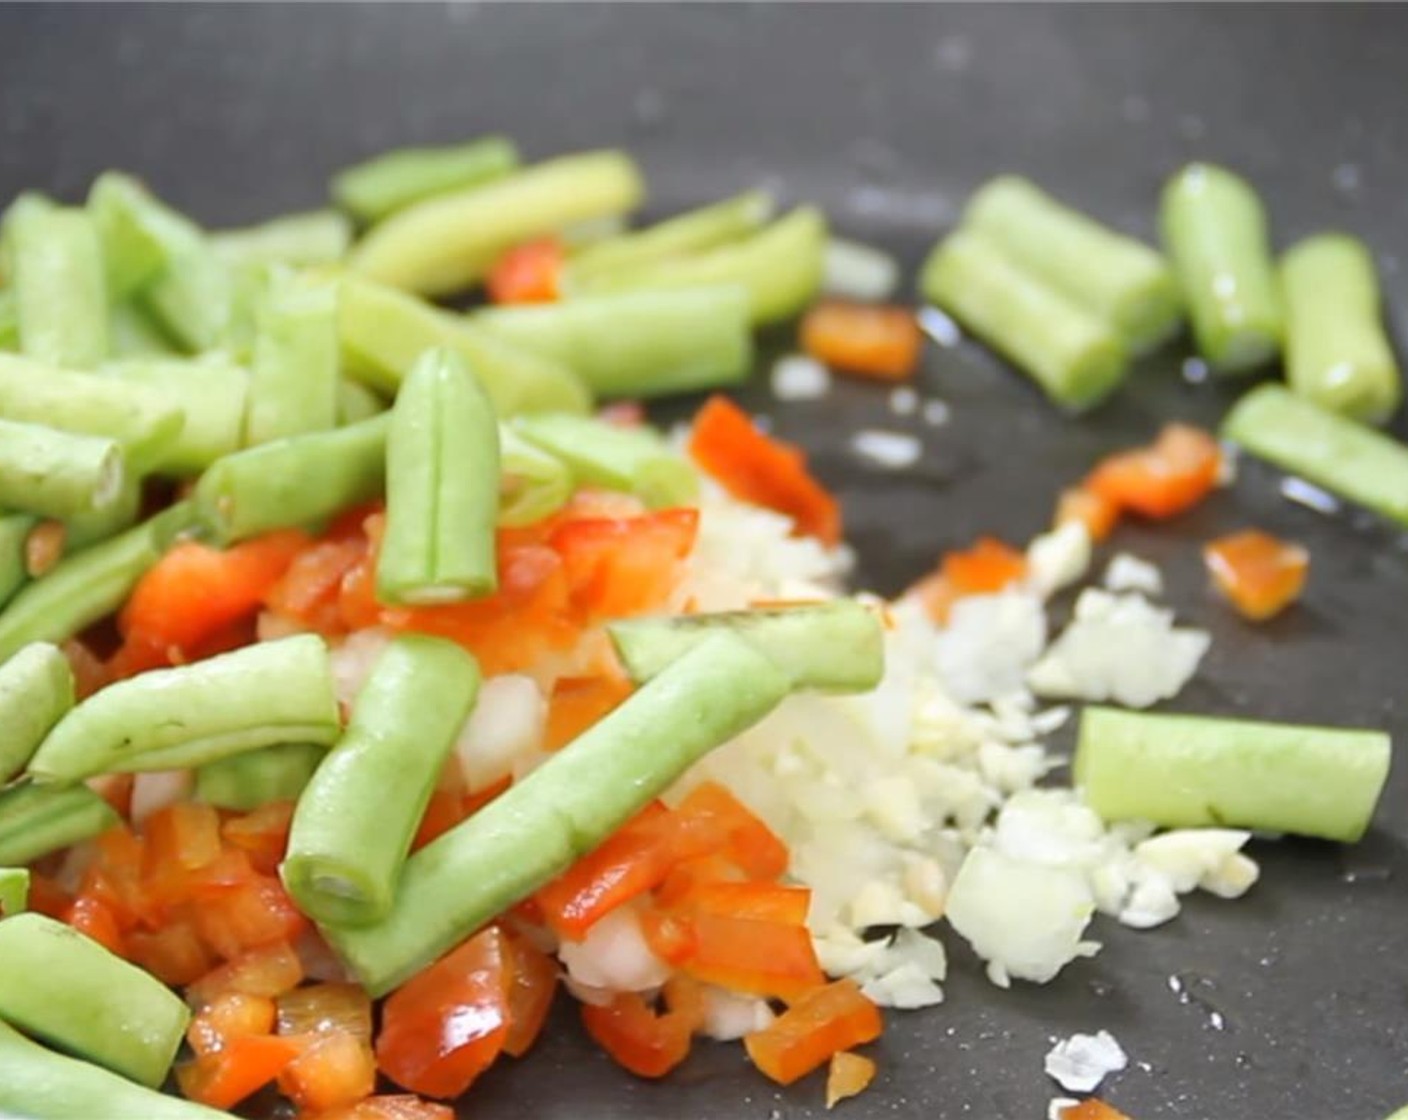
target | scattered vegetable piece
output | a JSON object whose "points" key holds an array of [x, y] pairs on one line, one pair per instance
{"points": [[848, 1075], [823, 1022], [396, 179], [528, 273], [878, 342], [36, 689], [1260, 575], [1097, 513], [1164, 479]]}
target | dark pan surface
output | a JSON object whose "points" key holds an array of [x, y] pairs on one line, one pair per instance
{"points": [[889, 116]]}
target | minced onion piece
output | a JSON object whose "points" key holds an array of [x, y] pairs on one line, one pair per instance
{"points": [[859, 272]]}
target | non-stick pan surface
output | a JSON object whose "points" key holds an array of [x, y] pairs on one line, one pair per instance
{"points": [[1290, 1003]]}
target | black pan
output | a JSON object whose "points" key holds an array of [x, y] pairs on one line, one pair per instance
{"points": [[889, 116]]}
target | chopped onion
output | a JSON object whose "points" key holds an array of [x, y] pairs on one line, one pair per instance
{"points": [[796, 377], [859, 272], [156, 789], [507, 723], [614, 955]]}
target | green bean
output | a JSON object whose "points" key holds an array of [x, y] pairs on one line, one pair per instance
{"points": [[14, 571], [354, 825], [9, 320], [1122, 280], [246, 781], [394, 180], [36, 820], [57, 474], [303, 480], [135, 416], [1341, 455], [691, 232], [1197, 772], [23, 204], [447, 243], [64, 988], [88, 586], [14, 890], [169, 719], [137, 232], [1337, 352], [638, 344], [781, 266], [317, 237], [383, 332], [40, 1084], [133, 334], [1074, 356], [293, 380], [355, 402], [633, 460], [96, 526], [836, 646], [563, 809], [532, 483], [60, 288], [442, 488], [36, 689], [210, 395], [1214, 228]]}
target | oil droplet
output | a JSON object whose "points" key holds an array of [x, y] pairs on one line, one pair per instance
{"points": [[1309, 495], [1366, 875], [1195, 371], [1100, 988], [939, 327]]}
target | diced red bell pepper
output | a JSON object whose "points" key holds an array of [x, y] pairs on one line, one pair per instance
{"points": [[92, 917], [528, 273], [882, 343], [644, 1041], [848, 1075], [261, 834], [243, 1066], [622, 566], [398, 1106], [824, 1022], [229, 1016], [1172, 475], [255, 913], [530, 996], [175, 953], [1097, 513], [268, 971], [327, 1008], [579, 702], [760, 958], [748, 841], [334, 1070], [1260, 575]]}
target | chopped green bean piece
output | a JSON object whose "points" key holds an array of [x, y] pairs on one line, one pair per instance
{"points": [[355, 402], [1215, 231], [244, 782], [638, 344], [1337, 352], [318, 237], [57, 474], [14, 890], [447, 243], [210, 394], [1347, 458], [134, 334], [781, 266], [384, 332], [633, 460], [691, 232], [60, 288], [137, 232], [99, 525], [563, 809], [1122, 280], [36, 689], [1074, 356], [24, 203], [394, 180], [1197, 772], [258, 696], [442, 488], [293, 380], [9, 320], [835, 646], [532, 483], [36, 820], [353, 828], [14, 532]]}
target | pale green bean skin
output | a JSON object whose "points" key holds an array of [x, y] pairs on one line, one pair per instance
{"points": [[168, 719], [14, 532], [563, 809], [132, 333], [36, 820], [135, 230], [293, 378], [89, 585], [447, 243], [57, 474], [353, 827], [61, 288], [532, 483], [633, 460], [40, 1084], [244, 782], [89, 1001], [96, 526], [14, 890], [442, 488], [317, 237], [1337, 352], [9, 320], [36, 690], [211, 394], [1214, 228], [380, 186], [355, 402]]}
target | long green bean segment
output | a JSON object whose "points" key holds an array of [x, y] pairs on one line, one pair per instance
{"points": [[133, 333], [1074, 355], [532, 483], [99, 525], [57, 474], [1195, 772], [1337, 352], [14, 532], [638, 344], [1122, 280], [1214, 229], [691, 232], [9, 320], [64, 988], [354, 824], [303, 480], [1341, 455], [135, 416], [36, 820], [442, 488], [61, 288], [136, 230], [563, 809], [781, 266], [317, 237], [258, 696], [210, 393], [394, 180], [355, 402], [89, 585], [293, 379], [23, 204], [636, 461], [836, 646], [39, 1084], [384, 332], [36, 689], [14, 890], [244, 782], [447, 243]]}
